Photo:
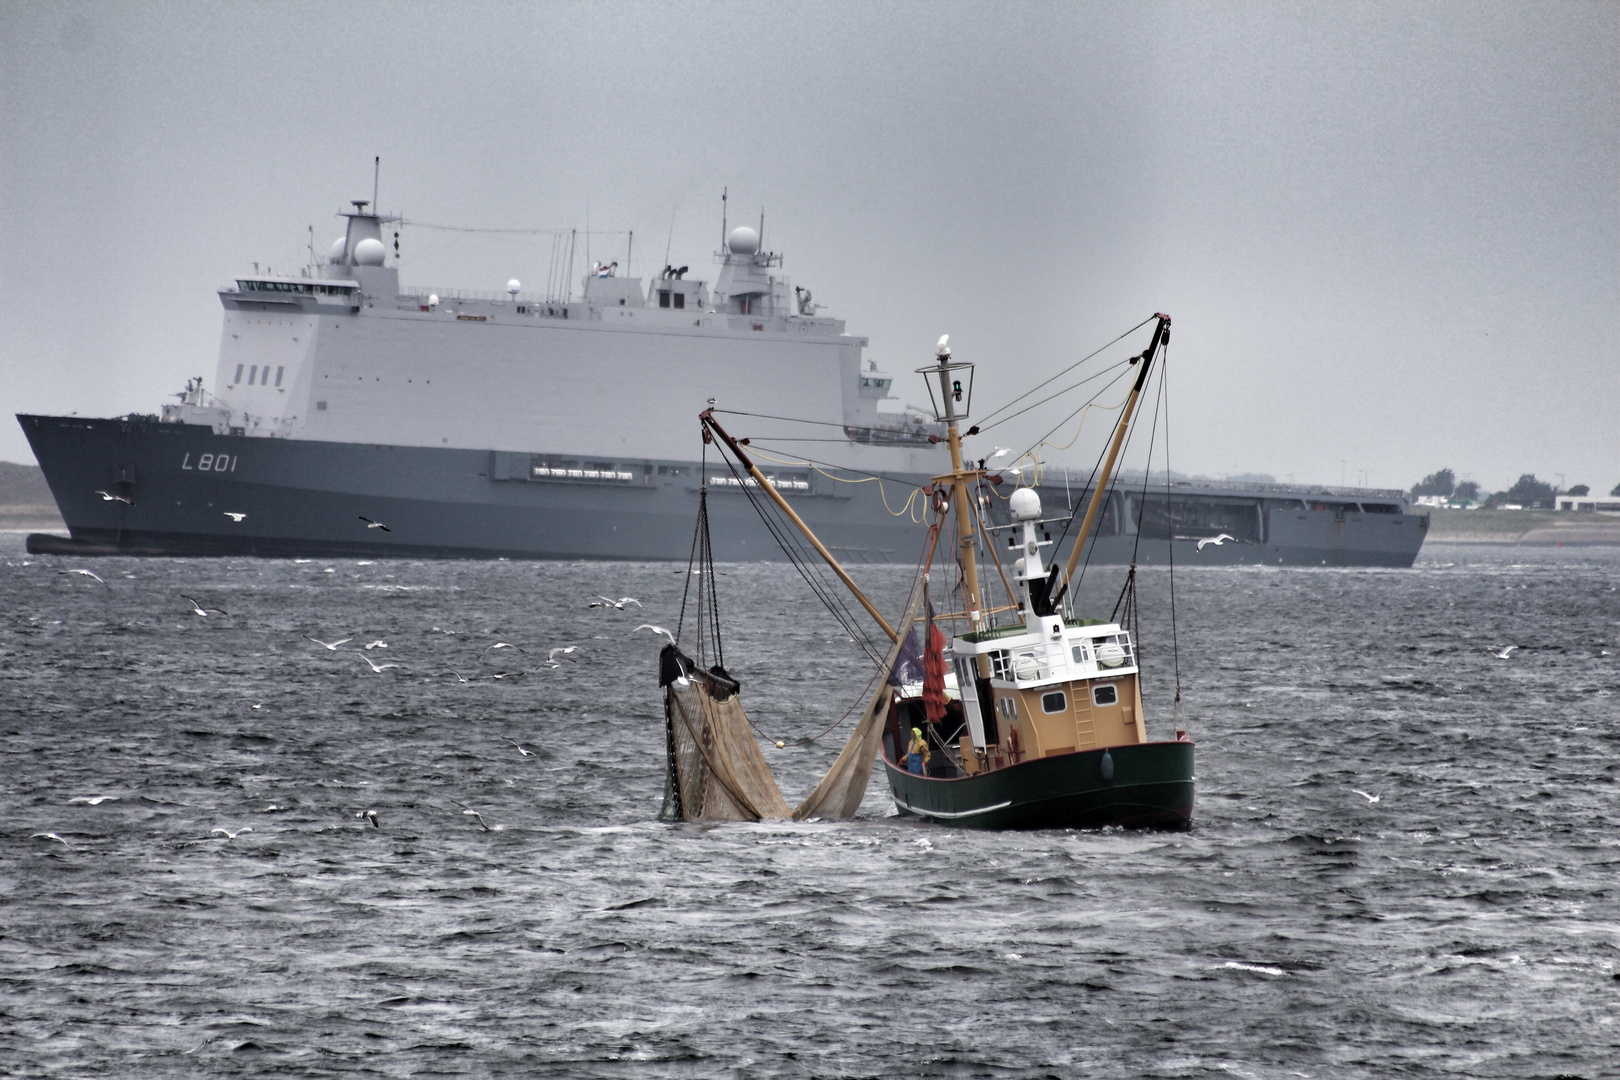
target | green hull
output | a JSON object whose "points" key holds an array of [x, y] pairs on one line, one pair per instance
{"points": [[1151, 788]]}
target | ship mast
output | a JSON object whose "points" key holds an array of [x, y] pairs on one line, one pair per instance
{"points": [[952, 393]]}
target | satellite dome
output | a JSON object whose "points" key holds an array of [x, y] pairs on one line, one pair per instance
{"points": [[1024, 505], [337, 248], [513, 286], [433, 300], [369, 252], [742, 241]]}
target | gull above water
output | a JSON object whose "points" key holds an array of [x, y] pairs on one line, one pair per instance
{"points": [[616, 605], [370, 524], [93, 800], [1216, 540], [87, 574], [656, 630], [198, 609], [234, 516], [229, 835], [331, 645], [107, 496]]}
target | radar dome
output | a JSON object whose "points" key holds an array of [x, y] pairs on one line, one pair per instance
{"points": [[514, 286], [369, 252], [433, 300], [742, 241], [337, 248], [1024, 505]]}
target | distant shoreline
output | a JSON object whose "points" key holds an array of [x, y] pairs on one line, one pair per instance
{"points": [[1532, 528]]}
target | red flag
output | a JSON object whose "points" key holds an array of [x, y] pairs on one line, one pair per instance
{"points": [[933, 690]]}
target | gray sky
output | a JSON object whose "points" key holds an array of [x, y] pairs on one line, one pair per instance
{"points": [[1389, 233]]}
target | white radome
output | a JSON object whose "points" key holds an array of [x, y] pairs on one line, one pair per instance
{"points": [[513, 287], [1024, 505], [433, 300], [742, 241], [369, 252], [337, 248]]}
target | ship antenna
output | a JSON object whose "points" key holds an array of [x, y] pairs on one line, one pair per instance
{"points": [[376, 176], [762, 229], [629, 251], [671, 242], [723, 219]]}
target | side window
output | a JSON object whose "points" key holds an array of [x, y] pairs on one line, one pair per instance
{"points": [[1104, 694], [1056, 701], [1080, 654]]}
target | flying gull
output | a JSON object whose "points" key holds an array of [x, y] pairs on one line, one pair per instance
{"points": [[93, 800], [505, 645], [656, 630], [371, 816], [520, 748], [375, 645], [331, 645], [50, 836], [616, 605], [198, 609], [232, 835], [87, 574], [1505, 653], [1369, 798], [378, 668], [234, 516], [1216, 540], [370, 524], [470, 812], [107, 496]]}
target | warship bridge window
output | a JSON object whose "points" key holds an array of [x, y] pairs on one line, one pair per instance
{"points": [[253, 374], [320, 406], [1380, 508], [279, 370], [238, 378], [1104, 695]]}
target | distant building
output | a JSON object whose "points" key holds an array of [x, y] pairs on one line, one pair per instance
{"points": [[1600, 504]]}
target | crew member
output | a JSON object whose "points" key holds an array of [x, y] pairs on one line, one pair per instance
{"points": [[917, 753]]}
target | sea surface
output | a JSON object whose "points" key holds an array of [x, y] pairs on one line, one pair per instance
{"points": [[1405, 860]]}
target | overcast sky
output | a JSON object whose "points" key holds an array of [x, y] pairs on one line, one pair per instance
{"points": [[1389, 234]]}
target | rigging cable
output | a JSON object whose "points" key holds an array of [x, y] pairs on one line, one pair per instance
{"points": [[1066, 370]]}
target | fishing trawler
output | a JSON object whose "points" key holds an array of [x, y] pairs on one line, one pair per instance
{"points": [[1030, 717]]}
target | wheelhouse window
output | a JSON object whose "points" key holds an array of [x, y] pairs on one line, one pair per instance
{"points": [[1056, 701], [1104, 695]]}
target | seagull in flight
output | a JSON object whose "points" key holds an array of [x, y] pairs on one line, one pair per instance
{"points": [[371, 816], [231, 835], [551, 657], [656, 630], [470, 812], [93, 800], [329, 645], [1505, 653], [198, 609], [87, 574], [505, 645], [1364, 795], [234, 516], [1216, 540], [107, 496], [999, 452], [376, 645], [378, 668], [616, 605], [370, 524], [520, 748], [458, 675], [50, 836]]}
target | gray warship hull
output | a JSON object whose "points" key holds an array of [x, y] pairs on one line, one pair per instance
{"points": [[185, 486]]}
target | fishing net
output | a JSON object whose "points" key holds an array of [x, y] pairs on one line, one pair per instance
{"points": [[716, 771]]}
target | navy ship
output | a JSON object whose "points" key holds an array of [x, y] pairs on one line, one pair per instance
{"points": [[348, 416]]}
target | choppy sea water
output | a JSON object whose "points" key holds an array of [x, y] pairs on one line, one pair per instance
{"points": [[1460, 918]]}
